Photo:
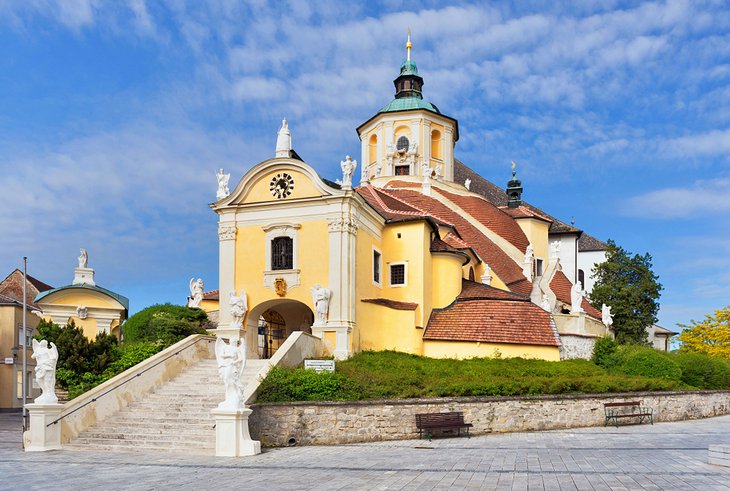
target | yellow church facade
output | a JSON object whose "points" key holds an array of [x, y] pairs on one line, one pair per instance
{"points": [[410, 259]]}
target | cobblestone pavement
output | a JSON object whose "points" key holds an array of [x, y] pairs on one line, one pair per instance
{"points": [[662, 456]]}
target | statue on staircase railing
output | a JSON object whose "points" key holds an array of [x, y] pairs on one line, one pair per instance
{"points": [[45, 371], [231, 360]]}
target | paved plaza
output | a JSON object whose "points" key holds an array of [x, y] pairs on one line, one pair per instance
{"points": [[663, 456]]}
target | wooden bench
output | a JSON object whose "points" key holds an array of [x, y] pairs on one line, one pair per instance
{"points": [[441, 421], [629, 409]]}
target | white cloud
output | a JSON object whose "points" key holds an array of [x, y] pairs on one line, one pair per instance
{"points": [[716, 142], [702, 197]]}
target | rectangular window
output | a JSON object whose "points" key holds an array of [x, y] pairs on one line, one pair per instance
{"points": [[401, 170], [376, 267], [398, 274], [282, 253], [538, 267]]}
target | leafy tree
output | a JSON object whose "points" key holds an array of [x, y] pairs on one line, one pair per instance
{"points": [[628, 284], [167, 323], [711, 336]]}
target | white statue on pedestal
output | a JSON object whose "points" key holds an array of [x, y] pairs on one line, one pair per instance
{"points": [[467, 183], [425, 171], [223, 179], [554, 249], [348, 169], [486, 277], [83, 259], [45, 371], [196, 292], [239, 307], [606, 316], [283, 140], [364, 174], [321, 299], [439, 172], [231, 360], [528, 261], [576, 298]]}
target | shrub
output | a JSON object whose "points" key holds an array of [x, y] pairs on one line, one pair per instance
{"points": [[646, 362], [602, 350], [703, 371], [167, 323], [297, 384]]}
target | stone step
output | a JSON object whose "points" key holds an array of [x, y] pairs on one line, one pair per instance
{"points": [[153, 444], [171, 437], [109, 447]]}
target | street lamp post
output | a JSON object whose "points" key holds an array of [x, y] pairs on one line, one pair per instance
{"points": [[24, 344]]}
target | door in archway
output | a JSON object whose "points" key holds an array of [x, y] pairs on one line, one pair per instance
{"points": [[271, 333]]}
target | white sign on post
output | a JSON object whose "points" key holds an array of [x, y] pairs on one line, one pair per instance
{"points": [[320, 365]]}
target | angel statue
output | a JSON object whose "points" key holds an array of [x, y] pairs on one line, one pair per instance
{"points": [[606, 316], [239, 307], [83, 259], [223, 179], [321, 298], [231, 360], [576, 297], [348, 169], [196, 293], [45, 371]]}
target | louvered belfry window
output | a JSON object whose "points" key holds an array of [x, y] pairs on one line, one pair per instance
{"points": [[282, 253]]}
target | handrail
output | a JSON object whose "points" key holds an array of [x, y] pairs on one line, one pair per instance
{"points": [[130, 379]]}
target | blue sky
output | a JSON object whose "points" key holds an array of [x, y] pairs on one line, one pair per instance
{"points": [[115, 116]]}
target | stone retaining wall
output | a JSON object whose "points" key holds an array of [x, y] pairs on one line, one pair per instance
{"points": [[328, 423]]}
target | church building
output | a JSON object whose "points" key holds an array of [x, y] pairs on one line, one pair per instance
{"points": [[424, 256]]}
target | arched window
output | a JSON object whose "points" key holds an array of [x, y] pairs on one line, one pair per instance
{"points": [[282, 253], [436, 145], [471, 274], [582, 279], [402, 144], [373, 149]]}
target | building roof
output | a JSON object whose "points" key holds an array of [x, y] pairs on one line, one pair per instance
{"points": [[588, 243], [211, 295], [498, 197], [119, 298], [502, 264], [408, 104], [660, 331], [12, 287], [561, 285], [393, 304], [485, 314]]}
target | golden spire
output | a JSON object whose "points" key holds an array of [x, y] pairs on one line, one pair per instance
{"points": [[409, 45]]}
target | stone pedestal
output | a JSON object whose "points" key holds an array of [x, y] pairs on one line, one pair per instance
{"points": [[719, 455], [43, 436], [231, 434], [84, 276], [229, 333]]}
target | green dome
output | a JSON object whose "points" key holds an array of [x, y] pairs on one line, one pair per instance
{"points": [[409, 68], [408, 103]]}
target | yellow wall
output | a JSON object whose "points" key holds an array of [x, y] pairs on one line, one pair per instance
{"points": [[260, 191], [447, 274], [537, 233], [463, 350], [10, 318], [210, 305], [80, 299], [384, 328], [312, 261], [88, 325], [496, 280]]}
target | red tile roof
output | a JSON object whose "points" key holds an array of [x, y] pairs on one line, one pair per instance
{"points": [[512, 321], [490, 216], [211, 295], [524, 212], [561, 285], [12, 286], [393, 304], [503, 265], [471, 290]]}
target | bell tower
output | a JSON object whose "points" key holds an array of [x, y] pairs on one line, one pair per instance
{"points": [[409, 136]]}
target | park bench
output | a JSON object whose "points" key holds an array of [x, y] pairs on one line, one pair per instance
{"points": [[441, 421], [629, 409]]}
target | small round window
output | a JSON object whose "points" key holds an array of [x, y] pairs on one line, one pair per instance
{"points": [[402, 144]]}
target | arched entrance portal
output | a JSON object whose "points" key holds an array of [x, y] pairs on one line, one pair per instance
{"points": [[271, 322]]}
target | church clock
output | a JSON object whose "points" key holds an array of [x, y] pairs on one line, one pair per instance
{"points": [[281, 185]]}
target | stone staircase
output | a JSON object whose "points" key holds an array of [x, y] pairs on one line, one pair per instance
{"points": [[174, 418]]}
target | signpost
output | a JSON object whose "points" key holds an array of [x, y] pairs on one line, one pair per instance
{"points": [[320, 365]]}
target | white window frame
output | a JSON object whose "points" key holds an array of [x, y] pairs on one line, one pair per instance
{"points": [[379, 284], [405, 274], [291, 276]]}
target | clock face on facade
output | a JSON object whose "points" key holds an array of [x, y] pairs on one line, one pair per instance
{"points": [[281, 185]]}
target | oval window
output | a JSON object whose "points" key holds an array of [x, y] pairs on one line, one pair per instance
{"points": [[402, 144]]}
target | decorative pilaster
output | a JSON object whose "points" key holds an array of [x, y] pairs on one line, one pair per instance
{"points": [[341, 318], [448, 153], [227, 269]]}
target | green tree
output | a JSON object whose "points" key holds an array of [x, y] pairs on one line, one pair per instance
{"points": [[711, 336], [627, 283], [167, 323]]}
